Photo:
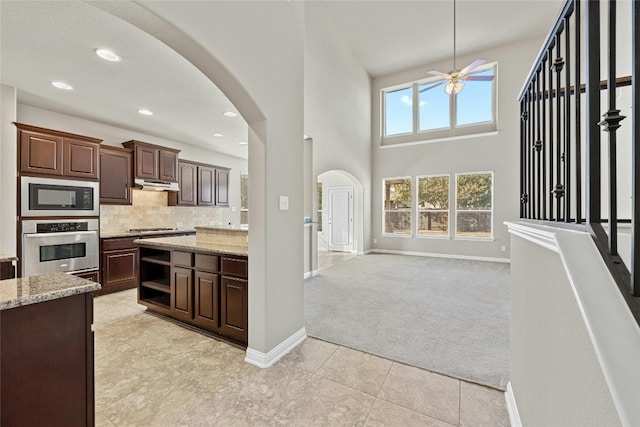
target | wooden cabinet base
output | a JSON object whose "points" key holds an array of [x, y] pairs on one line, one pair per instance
{"points": [[46, 363]]}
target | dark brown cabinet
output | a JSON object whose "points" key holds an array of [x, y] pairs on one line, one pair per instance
{"points": [[187, 182], [201, 185], [120, 264], [7, 270], [46, 363], [203, 289], [116, 177], [50, 152], [222, 187], [94, 276], [153, 161]]}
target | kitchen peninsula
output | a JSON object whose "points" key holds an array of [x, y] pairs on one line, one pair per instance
{"points": [[200, 280], [46, 357]]}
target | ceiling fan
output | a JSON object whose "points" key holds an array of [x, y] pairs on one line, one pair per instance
{"points": [[454, 79]]}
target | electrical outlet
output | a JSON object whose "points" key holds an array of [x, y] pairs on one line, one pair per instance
{"points": [[375, 241], [504, 248], [179, 225]]}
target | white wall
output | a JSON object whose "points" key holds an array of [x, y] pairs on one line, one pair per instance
{"points": [[115, 136], [8, 170], [497, 152], [337, 103], [555, 372]]}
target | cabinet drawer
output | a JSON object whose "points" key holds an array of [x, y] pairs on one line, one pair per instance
{"points": [[207, 263], [118, 243], [234, 266], [182, 259]]}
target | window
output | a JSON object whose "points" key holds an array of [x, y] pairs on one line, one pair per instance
{"points": [[397, 206], [433, 205], [244, 200], [474, 205], [319, 211], [423, 110]]}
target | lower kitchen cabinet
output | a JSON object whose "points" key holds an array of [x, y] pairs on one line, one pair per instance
{"points": [[208, 291], [120, 264], [94, 276]]}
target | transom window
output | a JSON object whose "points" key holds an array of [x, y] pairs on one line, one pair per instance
{"points": [[422, 110]]}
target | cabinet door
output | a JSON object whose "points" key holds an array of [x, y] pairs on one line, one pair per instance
{"points": [[40, 153], [222, 187], [206, 300], [233, 309], [206, 183], [80, 158], [168, 166], [115, 176], [181, 293], [187, 182], [93, 276], [146, 162], [119, 270]]}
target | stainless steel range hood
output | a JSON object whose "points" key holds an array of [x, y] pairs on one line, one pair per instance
{"points": [[153, 185]]}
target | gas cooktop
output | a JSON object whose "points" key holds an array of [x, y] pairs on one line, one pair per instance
{"points": [[138, 230]]}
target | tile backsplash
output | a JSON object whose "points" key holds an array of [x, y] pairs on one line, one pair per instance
{"points": [[149, 209]]}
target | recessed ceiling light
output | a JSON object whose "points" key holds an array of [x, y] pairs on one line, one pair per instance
{"points": [[243, 143], [218, 135], [229, 114], [62, 85], [107, 55], [145, 112]]}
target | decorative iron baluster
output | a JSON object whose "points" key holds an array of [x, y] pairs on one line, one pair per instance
{"points": [[551, 160], [592, 19], [538, 146], [567, 121], [635, 169], [558, 189], [544, 190], [578, 106]]}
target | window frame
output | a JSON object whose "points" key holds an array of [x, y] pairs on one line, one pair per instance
{"points": [[384, 210], [417, 210], [244, 225], [442, 133], [454, 232]]}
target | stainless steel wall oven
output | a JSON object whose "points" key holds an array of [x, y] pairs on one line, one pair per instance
{"points": [[59, 245]]}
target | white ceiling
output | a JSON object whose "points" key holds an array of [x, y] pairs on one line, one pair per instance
{"points": [[42, 41]]}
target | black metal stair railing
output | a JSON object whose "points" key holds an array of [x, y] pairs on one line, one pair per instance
{"points": [[562, 163]]}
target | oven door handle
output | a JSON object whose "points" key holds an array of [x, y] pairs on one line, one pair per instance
{"points": [[58, 234]]}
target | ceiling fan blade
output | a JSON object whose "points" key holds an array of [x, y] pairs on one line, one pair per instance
{"points": [[479, 78], [438, 73], [441, 82], [475, 64]]}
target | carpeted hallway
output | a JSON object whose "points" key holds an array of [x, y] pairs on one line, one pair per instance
{"points": [[445, 315]]}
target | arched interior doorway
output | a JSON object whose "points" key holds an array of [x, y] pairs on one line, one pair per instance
{"points": [[339, 211]]}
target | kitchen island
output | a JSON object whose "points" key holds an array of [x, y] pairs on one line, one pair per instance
{"points": [[199, 280], [46, 350]]}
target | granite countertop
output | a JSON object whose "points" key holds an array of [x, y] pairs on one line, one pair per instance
{"points": [[7, 257], [143, 233], [46, 287], [190, 243], [225, 228]]}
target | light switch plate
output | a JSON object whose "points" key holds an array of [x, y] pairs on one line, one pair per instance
{"points": [[284, 203]]}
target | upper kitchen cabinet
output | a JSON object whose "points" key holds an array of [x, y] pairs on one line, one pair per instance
{"points": [[222, 187], [153, 161], [50, 152], [116, 176], [201, 185]]}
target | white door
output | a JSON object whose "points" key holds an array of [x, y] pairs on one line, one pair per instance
{"points": [[340, 219]]}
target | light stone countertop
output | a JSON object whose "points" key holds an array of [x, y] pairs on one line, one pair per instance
{"points": [[222, 229], [45, 287], [190, 243], [7, 257], [143, 233]]}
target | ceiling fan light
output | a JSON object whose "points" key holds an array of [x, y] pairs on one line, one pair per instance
{"points": [[454, 88]]}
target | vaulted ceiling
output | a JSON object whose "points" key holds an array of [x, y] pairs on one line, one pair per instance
{"points": [[386, 36]]}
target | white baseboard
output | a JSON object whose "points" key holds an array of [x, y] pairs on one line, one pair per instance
{"points": [[512, 408], [367, 252], [451, 256], [311, 274], [264, 360]]}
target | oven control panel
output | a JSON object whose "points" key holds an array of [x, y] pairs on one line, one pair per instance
{"points": [[61, 227]]}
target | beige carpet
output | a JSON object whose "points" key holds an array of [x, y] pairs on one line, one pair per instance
{"points": [[447, 316]]}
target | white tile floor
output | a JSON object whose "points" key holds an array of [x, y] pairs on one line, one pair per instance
{"points": [[152, 372]]}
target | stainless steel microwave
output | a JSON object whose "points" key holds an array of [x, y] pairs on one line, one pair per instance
{"points": [[58, 197]]}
